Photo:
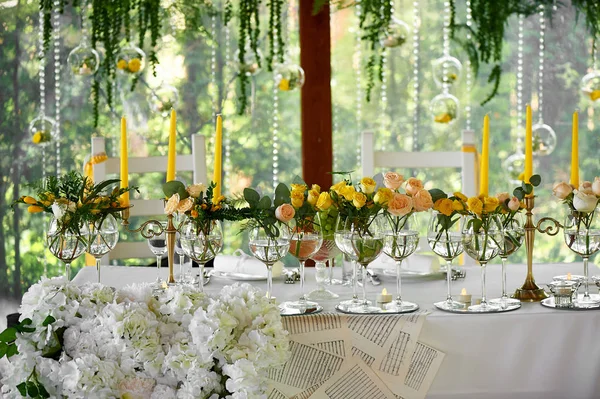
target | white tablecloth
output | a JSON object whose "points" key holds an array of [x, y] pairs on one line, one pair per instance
{"points": [[533, 352]]}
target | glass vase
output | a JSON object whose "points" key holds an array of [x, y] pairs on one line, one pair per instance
{"points": [[67, 242], [268, 247], [104, 235], [201, 242], [514, 234]]}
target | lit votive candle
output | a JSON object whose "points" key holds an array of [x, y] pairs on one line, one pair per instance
{"points": [[569, 277], [563, 292], [464, 297], [383, 298]]}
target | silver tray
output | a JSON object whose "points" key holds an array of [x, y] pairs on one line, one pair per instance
{"points": [[344, 309], [549, 303], [508, 308]]}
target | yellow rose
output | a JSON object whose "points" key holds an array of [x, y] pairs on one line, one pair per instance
{"points": [[422, 200], [299, 187], [37, 138], [348, 192], [490, 204], [297, 198], [29, 200], [134, 65], [316, 187], [122, 64], [475, 205], [460, 196], [284, 85], [313, 196], [359, 200], [383, 196], [324, 201], [367, 185], [34, 209], [413, 186], [458, 206], [444, 206], [338, 187]]}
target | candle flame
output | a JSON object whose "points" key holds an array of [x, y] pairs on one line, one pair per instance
{"points": [[568, 276], [384, 292], [463, 291]]}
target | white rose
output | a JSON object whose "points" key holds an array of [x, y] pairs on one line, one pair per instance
{"points": [[596, 186], [584, 202], [58, 211], [195, 190], [586, 187]]}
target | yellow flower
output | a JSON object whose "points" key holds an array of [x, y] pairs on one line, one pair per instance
{"points": [[348, 192], [134, 65], [338, 187], [444, 205], [194, 213], [324, 201], [443, 118], [316, 187], [37, 138], [297, 198], [490, 204], [367, 185], [383, 196], [122, 64], [359, 200], [458, 206], [284, 85], [299, 187], [29, 200], [475, 205], [218, 200], [594, 95], [313, 196], [34, 209], [460, 196]]}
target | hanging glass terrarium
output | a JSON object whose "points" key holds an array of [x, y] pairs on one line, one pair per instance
{"points": [[131, 60], [590, 86], [42, 130], [250, 66], [446, 69], [396, 34], [163, 99], [544, 139], [444, 108], [83, 60], [289, 77], [514, 166]]}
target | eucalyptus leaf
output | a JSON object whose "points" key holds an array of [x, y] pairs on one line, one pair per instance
{"points": [[175, 187], [251, 197], [519, 193], [264, 203], [535, 180], [437, 194], [8, 335], [282, 194]]}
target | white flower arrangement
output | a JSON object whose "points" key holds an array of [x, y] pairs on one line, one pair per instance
{"points": [[92, 341]]}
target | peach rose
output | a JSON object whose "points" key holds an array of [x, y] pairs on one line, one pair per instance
{"points": [[562, 190], [422, 200], [596, 186], [285, 213], [400, 205], [393, 180], [195, 190], [503, 197], [413, 186], [586, 187], [514, 204]]}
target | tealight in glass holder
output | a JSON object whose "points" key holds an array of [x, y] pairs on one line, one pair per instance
{"points": [[563, 292]]}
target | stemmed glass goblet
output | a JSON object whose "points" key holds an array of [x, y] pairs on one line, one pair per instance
{"points": [[181, 253], [445, 239], [400, 241], [326, 253], [268, 247], [343, 240], [104, 235], [201, 243], [514, 233], [66, 244], [158, 245]]}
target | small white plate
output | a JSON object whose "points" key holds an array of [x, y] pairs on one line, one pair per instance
{"points": [[237, 276]]}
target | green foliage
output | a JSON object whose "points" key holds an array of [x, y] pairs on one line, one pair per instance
{"points": [[527, 188]]}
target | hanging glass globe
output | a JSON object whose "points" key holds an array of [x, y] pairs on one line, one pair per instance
{"points": [[590, 86], [544, 139], [446, 69], [164, 98], [250, 66], [131, 60], [289, 77], [514, 165], [396, 34], [444, 108], [83, 60], [42, 130]]}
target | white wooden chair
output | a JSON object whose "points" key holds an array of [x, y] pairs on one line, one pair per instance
{"points": [[196, 162]]}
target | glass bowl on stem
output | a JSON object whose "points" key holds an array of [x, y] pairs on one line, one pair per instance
{"points": [[268, 246], [343, 240], [66, 243], [104, 235], [326, 253], [514, 233], [201, 242], [444, 236], [158, 245], [401, 239]]}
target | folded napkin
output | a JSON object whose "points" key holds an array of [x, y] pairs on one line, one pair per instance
{"points": [[415, 262], [241, 262]]}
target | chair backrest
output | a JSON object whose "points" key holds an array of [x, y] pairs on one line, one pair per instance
{"points": [[463, 159], [196, 162]]}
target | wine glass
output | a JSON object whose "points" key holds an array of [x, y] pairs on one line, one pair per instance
{"points": [[482, 239], [65, 243], [582, 236], [104, 235], [445, 239], [158, 245], [183, 275], [514, 233], [305, 241], [202, 243], [326, 253], [268, 247], [366, 240], [401, 239], [343, 240]]}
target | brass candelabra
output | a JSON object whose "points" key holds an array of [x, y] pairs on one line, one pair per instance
{"points": [[530, 292]]}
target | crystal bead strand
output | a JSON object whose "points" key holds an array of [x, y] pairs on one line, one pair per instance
{"points": [[446, 46], [416, 65], [275, 124], [520, 110], [42, 78], [334, 111], [213, 65], [383, 104], [541, 67], [358, 78], [57, 70], [469, 72], [226, 69]]}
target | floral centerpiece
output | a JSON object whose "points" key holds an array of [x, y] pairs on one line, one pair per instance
{"points": [[92, 341], [400, 203]]}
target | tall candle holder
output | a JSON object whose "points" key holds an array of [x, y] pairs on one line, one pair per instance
{"points": [[152, 228], [530, 292]]}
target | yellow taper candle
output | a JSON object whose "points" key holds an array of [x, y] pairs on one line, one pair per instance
{"points": [[218, 160], [485, 158], [575, 151], [124, 162], [172, 152], [528, 146]]}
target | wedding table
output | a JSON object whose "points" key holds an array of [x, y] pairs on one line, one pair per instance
{"points": [[533, 352]]}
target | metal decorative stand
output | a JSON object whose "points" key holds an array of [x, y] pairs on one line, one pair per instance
{"points": [[530, 292], [152, 228]]}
